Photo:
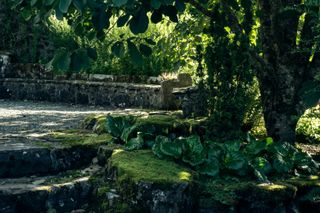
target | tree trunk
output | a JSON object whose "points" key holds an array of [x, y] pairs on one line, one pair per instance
{"points": [[284, 71]]}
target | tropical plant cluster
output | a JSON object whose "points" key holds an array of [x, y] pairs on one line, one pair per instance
{"points": [[256, 158]]}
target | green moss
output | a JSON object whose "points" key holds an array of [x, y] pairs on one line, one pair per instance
{"points": [[311, 181], [233, 192], [65, 177], [143, 165], [69, 138]]}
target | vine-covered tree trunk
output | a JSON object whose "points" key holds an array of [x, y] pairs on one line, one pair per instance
{"points": [[284, 71]]}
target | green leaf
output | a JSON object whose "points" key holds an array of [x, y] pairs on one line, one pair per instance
{"points": [[232, 146], [261, 164], [156, 4], [210, 168], [255, 147], [194, 159], [156, 147], [79, 4], [118, 49], [171, 12], [150, 41], [26, 14], [119, 3], [145, 50], [33, 2], [61, 60], [134, 53], [269, 141], [171, 149], [59, 14], [92, 53], [100, 19], [282, 165], [234, 161], [48, 2], [156, 16], [64, 5], [128, 132], [134, 143], [180, 5], [80, 60], [123, 20], [310, 93], [194, 144], [139, 23], [261, 177]]}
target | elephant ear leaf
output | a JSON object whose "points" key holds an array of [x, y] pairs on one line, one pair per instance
{"points": [[156, 147], [171, 149], [210, 168], [135, 143]]}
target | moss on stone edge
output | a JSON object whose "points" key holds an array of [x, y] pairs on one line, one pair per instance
{"points": [[70, 138], [231, 193], [143, 165]]}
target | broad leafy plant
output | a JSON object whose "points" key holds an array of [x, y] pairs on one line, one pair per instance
{"points": [[258, 158]]}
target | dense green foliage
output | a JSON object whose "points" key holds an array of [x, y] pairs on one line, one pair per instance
{"points": [[308, 128], [258, 158], [275, 42]]}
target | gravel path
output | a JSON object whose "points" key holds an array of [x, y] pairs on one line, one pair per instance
{"points": [[30, 119]]}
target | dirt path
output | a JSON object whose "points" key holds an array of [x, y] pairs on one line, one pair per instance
{"points": [[29, 119]]}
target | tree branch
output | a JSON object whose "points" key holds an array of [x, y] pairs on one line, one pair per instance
{"points": [[200, 8]]}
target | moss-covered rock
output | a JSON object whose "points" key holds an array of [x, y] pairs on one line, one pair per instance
{"points": [[152, 184]]}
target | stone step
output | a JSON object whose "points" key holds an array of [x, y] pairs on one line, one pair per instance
{"points": [[64, 192], [18, 159]]}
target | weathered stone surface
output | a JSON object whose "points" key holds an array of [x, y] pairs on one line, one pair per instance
{"points": [[192, 102], [148, 184], [17, 160], [62, 193], [81, 92]]}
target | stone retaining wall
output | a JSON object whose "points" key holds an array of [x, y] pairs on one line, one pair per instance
{"points": [[82, 92], [36, 82]]}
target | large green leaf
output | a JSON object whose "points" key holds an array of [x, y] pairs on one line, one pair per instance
{"points": [[156, 16], [119, 3], [310, 93], [139, 22], [261, 164], [155, 4], [100, 19], [194, 144], [116, 125], [156, 147], [171, 12], [134, 143], [80, 60], [61, 60], [79, 4], [123, 20], [48, 2], [64, 5], [255, 147], [145, 50], [194, 159], [33, 2], [232, 146], [210, 168], [234, 161], [118, 49], [171, 149], [281, 164], [134, 53]]}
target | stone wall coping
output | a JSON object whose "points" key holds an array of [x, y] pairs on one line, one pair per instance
{"points": [[81, 82]]}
